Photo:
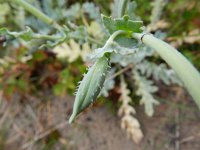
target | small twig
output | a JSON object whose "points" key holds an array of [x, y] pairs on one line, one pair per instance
{"points": [[12, 139], [190, 138], [121, 71], [177, 134], [41, 136], [20, 131], [49, 113], [5, 115], [178, 97], [1, 97], [34, 116], [31, 112]]}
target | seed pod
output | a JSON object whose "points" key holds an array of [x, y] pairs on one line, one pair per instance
{"points": [[90, 86]]}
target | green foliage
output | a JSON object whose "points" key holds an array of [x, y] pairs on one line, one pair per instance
{"points": [[124, 24], [82, 31], [145, 90], [65, 83], [119, 8], [3, 135], [5, 10], [92, 11], [25, 35], [51, 40], [159, 72]]}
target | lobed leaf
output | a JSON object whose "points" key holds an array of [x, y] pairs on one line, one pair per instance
{"points": [[124, 24], [145, 90], [26, 35]]}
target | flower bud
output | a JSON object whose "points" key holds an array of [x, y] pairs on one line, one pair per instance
{"points": [[90, 86]]}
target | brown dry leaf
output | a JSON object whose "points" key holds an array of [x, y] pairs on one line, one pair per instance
{"points": [[190, 38], [161, 24], [193, 37], [184, 5], [132, 127]]}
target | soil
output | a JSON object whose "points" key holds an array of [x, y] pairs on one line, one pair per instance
{"points": [[29, 124]]}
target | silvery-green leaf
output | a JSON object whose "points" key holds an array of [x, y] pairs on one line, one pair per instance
{"points": [[159, 72], [26, 35], [131, 9], [137, 55], [145, 89], [109, 83], [92, 10], [124, 24], [113, 48], [73, 12]]}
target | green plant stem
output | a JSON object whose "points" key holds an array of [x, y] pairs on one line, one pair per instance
{"points": [[113, 36], [120, 71], [121, 8], [45, 37], [184, 69], [37, 13]]}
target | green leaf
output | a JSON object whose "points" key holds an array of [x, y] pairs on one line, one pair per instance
{"points": [[119, 8], [22, 84], [92, 11], [117, 47], [73, 12], [26, 35], [126, 42], [65, 74], [131, 11], [146, 89], [39, 56], [79, 33], [59, 89], [124, 24], [9, 89], [60, 37], [5, 9]]}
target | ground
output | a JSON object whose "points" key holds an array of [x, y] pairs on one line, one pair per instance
{"points": [[27, 124]]}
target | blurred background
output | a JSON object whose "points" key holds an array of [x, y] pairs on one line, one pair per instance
{"points": [[37, 84]]}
